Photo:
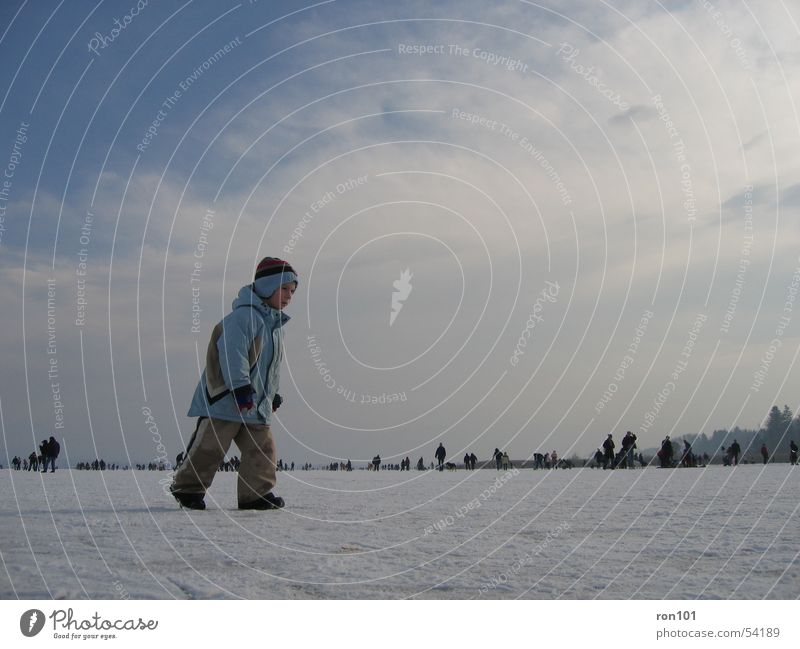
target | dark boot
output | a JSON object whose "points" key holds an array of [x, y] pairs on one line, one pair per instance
{"points": [[268, 501], [189, 500]]}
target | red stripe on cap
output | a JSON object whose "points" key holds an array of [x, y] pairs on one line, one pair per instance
{"points": [[272, 266], [271, 261]]}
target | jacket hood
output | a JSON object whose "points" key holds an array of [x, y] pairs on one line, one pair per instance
{"points": [[248, 297]]}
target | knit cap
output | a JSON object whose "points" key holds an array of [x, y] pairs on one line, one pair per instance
{"points": [[271, 274]]}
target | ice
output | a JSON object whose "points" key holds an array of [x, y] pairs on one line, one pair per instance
{"points": [[573, 534]]}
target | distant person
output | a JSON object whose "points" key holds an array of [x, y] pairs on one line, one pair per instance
{"points": [[628, 445], [238, 392], [498, 458], [52, 449], [376, 463], [440, 455], [608, 452], [764, 453], [735, 451], [666, 452], [598, 458], [792, 452], [466, 462], [473, 461], [420, 464], [44, 455], [33, 462], [687, 459], [505, 461], [620, 459], [554, 460]]}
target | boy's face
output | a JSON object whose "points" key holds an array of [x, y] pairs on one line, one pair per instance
{"points": [[281, 298]]}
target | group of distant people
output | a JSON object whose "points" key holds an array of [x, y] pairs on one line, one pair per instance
{"points": [[440, 454], [102, 465], [377, 465], [625, 458], [470, 461], [230, 465], [550, 461], [333, 466], [667, 456], [501, 460], [607, 458], [405, 465], [98, 465], [730, 456], [47, 455]]}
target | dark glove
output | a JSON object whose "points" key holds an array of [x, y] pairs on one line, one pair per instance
{"points": [[276, 402], [244, 397]]}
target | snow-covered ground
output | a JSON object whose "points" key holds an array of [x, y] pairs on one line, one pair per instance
{"points": [[574, 534]]}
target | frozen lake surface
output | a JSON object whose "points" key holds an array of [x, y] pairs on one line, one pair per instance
{"points": [[574, 534]]}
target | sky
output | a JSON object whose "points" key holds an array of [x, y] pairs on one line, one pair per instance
{"points": [[516, 224]]}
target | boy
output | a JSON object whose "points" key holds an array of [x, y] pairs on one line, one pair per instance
{"points": [[238, 391]]}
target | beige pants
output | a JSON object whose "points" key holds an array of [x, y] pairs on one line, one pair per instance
{"points": [[207, 448]]}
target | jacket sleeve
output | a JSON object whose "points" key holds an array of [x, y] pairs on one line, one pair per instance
{"points": [[233, 345], [277, 349]]}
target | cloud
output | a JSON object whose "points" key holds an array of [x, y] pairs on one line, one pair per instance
{"points": [[637, 113], [488, 163]]}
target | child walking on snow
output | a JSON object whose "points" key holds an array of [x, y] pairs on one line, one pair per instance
{"points": [[238, 392]]}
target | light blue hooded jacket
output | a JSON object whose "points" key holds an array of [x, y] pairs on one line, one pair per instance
{"points": [[246, 347]]}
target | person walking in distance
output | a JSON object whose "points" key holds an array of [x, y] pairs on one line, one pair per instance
{"points": [[498, 458], [666, 452], [44, 455], [629, 444], [440, 455], [608, 452], [50, 450], [687, 459], [735, 450], [238, 392]]}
